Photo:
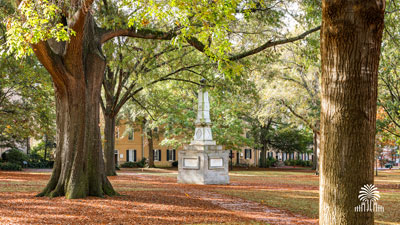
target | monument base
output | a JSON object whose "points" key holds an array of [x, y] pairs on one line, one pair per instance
{"points": [[203, 164]]}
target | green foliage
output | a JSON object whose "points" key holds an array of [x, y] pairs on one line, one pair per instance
{"points": [[40, 164], [271, 161], [14, 156], [298, 162], [33, 22], [36, 160], [26, 102], [175, 163], [129, 165], [10, 166], [141, 164], [39, 150]]}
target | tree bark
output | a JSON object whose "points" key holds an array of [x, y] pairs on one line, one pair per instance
{"points": [[263, 153], [264, 129], [351, 36], [77, 75], [151, 148], [315, 152], [28, 145], [45, 147], [109, 144]]}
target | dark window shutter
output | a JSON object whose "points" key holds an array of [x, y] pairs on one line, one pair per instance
{"points": [[159, 154], [174, 154], [168, 155], [250, 153], [127, 155], [134, 155]]}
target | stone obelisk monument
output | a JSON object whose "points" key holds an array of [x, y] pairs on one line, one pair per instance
{"points": [[203, 162]]}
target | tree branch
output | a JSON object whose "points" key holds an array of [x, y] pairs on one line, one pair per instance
{"points": [[52, 62], [140, 104], [144, 33], [272, 44]]}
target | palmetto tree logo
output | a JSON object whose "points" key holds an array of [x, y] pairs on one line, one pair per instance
{"points": [[369, 195]]}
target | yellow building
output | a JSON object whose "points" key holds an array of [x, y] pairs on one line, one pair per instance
{"points": [[132, 146]]}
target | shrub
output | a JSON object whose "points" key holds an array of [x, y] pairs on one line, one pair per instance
{"points": [[10, 166], [40, 164], [14, 156], [271, 161], [128, 165], [175, 163], [142, 163]]}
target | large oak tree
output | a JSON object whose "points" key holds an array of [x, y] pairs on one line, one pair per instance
{"points": [[351, 38], [67, 39]]}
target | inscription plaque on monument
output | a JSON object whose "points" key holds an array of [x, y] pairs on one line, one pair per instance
{"points": [[216, 163], [191, 163]]}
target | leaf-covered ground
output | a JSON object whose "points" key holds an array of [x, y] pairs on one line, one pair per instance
{"points": [[153, 197]]}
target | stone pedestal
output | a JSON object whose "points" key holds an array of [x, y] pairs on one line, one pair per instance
{"points": [[203, 164]]}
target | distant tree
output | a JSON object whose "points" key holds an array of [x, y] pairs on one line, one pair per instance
{"points": [[26, 102]]}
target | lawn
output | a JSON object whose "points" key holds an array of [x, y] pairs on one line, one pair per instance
{"points": [[297, 192], [153, 197]]}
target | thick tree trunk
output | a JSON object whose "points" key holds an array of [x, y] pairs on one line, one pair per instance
{"points": [[151, 148], [79, 167], [350, 48], [109, 145]]}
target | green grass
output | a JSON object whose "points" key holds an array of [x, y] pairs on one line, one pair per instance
{"points": [[304, 202], [22, 186], [291, 191]]}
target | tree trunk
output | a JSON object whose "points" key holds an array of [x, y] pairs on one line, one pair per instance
{"points": [[79, 167], [28, 145], [315, 151], [151, 148], [351, 36], [263, 141], [109, 144], [263, 154], [45, 147]]}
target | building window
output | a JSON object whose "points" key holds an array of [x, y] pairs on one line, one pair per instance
{"points": [[131, 134], [131, 155], [247, 153], [157, 155], [171, 155], [247, 135]]}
